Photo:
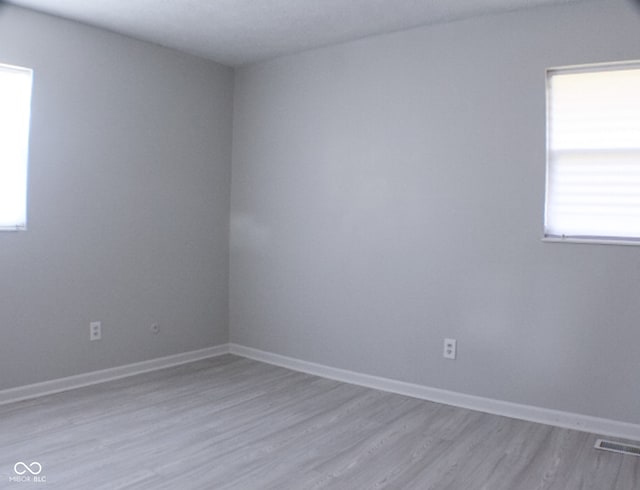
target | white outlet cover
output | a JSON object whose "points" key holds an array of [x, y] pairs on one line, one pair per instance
{"points": [[95, 330], [449, 351]]}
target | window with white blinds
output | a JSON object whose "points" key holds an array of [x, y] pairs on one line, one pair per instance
{"points": [[593, 153], [15, 110]]}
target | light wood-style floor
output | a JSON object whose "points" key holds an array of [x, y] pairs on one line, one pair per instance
{"points": [[233, 423]]}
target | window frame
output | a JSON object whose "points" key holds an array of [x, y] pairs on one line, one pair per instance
{"points": [[24, 202], [576, 69]]}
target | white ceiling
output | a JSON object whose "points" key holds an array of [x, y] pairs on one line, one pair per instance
{"points": [[236, 32]]}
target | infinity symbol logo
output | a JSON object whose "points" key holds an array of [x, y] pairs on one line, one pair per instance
{"points": [[25, 468]]}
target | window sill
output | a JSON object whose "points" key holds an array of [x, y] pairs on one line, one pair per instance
{"points": [[591, 241]]}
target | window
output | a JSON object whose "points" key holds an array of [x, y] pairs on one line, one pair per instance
{"points": [[15, 108], [593, 153]]}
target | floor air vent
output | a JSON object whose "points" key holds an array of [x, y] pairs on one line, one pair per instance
{"points": [[617, 447]]}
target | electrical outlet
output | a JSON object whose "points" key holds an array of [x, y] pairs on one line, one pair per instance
{"points": [[95, 331], [449, 349]]}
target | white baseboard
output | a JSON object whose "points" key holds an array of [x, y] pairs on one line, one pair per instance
{"points": [[586, 423], [568, 420], [95, 377]]}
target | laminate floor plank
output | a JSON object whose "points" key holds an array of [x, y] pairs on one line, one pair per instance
{"points": [[229, 423]]}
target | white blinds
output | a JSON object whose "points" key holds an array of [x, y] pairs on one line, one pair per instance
{"points": [[593, 152], [15, 105]]}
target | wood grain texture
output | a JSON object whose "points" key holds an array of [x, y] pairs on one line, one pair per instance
{"points": [[233, 423]]}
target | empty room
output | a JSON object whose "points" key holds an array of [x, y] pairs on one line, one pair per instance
{"points": [[303, 244]]}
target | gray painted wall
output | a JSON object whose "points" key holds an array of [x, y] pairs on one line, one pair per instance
{"points": [[128, 202], [388, 193]]}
